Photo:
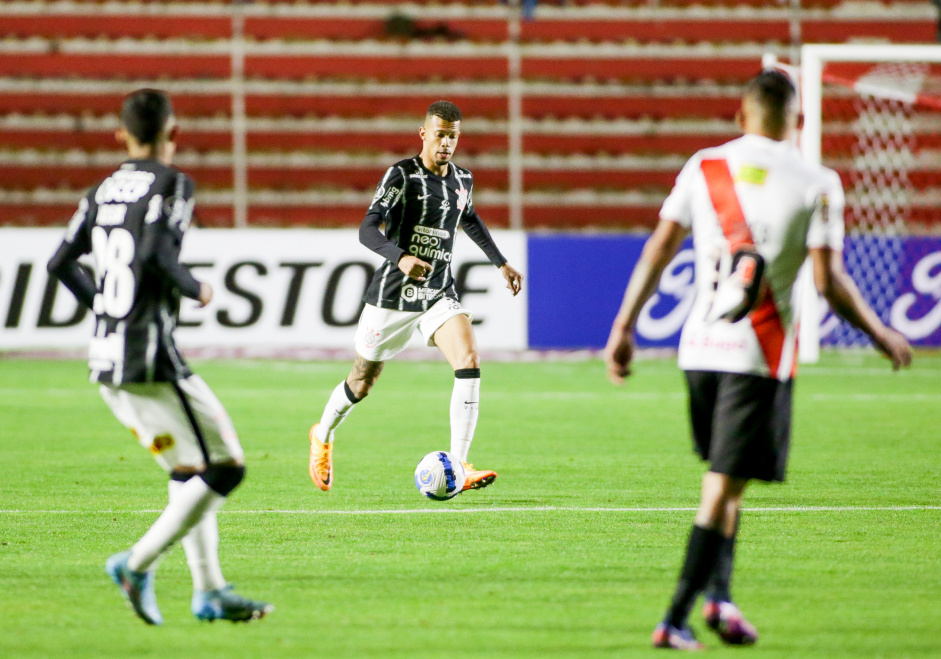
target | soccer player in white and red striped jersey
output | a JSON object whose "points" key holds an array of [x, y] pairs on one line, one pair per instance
{"points": [[756, 210]]}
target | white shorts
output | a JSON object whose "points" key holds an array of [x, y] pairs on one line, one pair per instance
{"points": [[182, 423], [384, 333]]}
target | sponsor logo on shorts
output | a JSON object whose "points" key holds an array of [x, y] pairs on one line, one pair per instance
{"points": [[161, 443], [371, 337]]}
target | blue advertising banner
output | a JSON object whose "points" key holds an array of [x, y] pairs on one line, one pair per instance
{"points": [[916, 312], [576, 283], [900, 278]]}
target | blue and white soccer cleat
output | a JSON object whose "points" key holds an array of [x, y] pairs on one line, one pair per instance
{"points": [[226, 604], [138, 588]]}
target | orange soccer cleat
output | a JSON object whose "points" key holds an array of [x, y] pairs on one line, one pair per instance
{"points": [[321, 461], [477, 479]]}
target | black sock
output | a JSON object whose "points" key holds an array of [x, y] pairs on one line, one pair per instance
{"points": [[718, 588], [701, 555]]}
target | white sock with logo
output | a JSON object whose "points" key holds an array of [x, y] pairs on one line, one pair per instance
{"points": [[465, 408], [338, 408], [201, 546], [188, 506]]}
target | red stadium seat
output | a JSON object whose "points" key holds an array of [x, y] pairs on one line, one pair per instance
{"points": [[617, 93]]}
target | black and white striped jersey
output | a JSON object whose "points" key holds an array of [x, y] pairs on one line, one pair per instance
{"points": [[421, 212], [132, 224]]}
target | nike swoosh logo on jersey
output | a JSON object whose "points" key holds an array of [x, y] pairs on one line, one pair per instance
{"points": [[423, 196]]}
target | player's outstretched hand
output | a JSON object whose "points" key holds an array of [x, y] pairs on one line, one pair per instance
{"points": [[618, 354], [205, 294], [414, 268], [514, 278], [894, 346]]}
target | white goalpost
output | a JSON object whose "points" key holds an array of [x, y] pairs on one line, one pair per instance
{"points": [[873, 113]]}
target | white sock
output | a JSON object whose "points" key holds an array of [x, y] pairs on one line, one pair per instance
{"points": [[337, 409], [465, 402], [189, 504], [201, 546]]}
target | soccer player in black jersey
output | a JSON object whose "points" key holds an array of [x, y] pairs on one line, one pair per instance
{"points": [[132, 224], [420, 201]]}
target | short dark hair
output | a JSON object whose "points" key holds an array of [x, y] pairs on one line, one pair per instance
{"points": [[444, 109], [144, 114], [773, 90]]}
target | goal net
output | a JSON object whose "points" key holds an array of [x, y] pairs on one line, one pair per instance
{"points": [[873, 114]]}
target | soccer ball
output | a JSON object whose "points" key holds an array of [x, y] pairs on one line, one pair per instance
{"points": [[438, 476]]}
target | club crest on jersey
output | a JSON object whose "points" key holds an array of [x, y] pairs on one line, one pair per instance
{"points": [[462, 196]]}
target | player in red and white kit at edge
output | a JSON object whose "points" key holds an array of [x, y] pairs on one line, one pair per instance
{"points": [[756, 210]]}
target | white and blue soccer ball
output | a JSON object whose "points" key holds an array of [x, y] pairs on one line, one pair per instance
{"points": [[438, 476]]}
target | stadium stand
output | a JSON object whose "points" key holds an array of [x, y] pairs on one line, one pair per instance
{"points": [[615, 96]]}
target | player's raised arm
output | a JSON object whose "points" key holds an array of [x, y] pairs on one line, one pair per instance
{"points": [[658, 251], [64, 263]]}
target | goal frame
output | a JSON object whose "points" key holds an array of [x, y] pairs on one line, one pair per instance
{"points": [[813, 57]]}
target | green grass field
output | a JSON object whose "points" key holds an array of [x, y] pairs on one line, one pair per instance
{"points": [[573, 552]]}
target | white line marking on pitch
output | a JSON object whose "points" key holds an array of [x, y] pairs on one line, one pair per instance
{"points": [[527, 395], [506, 509], [881, 397]]}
